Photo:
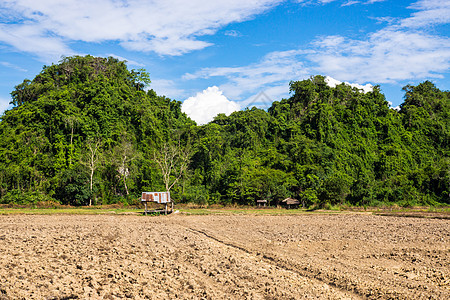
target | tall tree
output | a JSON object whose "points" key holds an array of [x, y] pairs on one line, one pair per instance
{"points": [[172, 159], [92, 160], [124, 155]]}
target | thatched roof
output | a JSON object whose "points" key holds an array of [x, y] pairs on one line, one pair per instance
{"points": [[291, 201]]}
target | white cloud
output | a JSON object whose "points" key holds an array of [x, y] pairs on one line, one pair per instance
{"points": [[388, 55], [388, 20], [271, 74], [268, 79], [204, 106], [430, 12], [374, 1], [348, 3], [315, 1], [4, 105], [331, 82], [167, 27], [166, 88], [397, 108], [28, 38], [128, 61], [12, 66], [232, 33], [400, 51], [165, 46]]}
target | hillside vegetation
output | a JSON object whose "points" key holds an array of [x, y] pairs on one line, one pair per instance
{"points": [[87, 131]]}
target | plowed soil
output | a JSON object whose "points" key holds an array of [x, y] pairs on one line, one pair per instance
{"points": [[344, 256]]}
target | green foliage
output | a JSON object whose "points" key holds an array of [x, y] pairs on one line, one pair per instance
{"points": [[25, 198], [324, 146], [45, 138]]}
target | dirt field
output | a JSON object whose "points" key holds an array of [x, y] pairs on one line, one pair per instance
{"points": [[344, 256]]}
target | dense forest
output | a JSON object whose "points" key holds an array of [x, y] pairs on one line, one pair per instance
{"points": [[89, 131]]}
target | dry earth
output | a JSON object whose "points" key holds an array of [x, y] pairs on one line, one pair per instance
{"points": [[345, 256]]}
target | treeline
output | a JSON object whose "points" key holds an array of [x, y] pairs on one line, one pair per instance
{"points": [[86, 131]]}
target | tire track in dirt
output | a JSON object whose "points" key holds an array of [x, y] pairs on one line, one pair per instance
{"points": [[309, 273], [253, 277], [104, 257], [181, 250], [223, 257], [372, 257]]}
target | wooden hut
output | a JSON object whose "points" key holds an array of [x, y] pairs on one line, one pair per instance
{"points": [[261, 202], [291, 203]]}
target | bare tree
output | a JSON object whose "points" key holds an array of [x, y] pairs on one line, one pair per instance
{"points": [[124, 154], [72, 122], [92, 160], [173, 161]]}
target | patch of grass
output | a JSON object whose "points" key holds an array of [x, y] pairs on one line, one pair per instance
{"points": [[226, 210], [441, 212], [445, 209], [253, 211], [69, 211]]}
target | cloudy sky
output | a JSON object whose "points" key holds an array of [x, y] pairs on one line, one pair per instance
{"points": [[224, 55]]}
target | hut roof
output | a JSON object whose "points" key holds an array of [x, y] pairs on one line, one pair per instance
{"points": [[291, 201]]}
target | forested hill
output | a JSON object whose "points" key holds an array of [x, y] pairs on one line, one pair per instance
{"points": [[84, 116], [86, 130]]}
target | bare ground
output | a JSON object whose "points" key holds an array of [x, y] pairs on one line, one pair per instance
{"points": [[344, 256]]}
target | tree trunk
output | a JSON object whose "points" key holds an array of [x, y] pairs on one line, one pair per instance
{"points": [[71, 148], [125, 184], [125, 170], [92, 177]]}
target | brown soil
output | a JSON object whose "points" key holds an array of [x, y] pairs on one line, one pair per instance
{"points": [[417, 214], [348, 256]]}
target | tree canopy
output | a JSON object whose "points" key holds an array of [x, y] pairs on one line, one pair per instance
{"points": [[88, 129]]}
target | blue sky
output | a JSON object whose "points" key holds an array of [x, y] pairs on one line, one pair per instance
{"points": [[223, 55]]}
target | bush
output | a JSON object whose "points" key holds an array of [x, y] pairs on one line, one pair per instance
{"points": [[25, 197], [196, 194]]}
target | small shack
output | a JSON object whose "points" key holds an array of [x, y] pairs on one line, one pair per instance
{"points": [[261, 202], [157, 197], [291, 203]]}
